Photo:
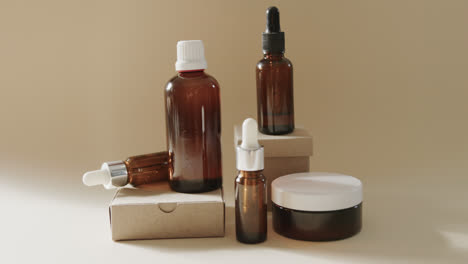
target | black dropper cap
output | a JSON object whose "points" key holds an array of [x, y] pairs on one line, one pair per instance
{"points": [[273, 38]]}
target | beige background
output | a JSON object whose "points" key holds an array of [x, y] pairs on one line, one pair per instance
{"points": [[382, 86]]}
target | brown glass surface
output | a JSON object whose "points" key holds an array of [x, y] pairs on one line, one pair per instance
{"points": [[275, 98], [317, 226], [193, 119], [148, 168], [251, 207]]}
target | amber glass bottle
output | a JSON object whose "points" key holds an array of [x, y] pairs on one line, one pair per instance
{"points": [[274, 74], [251, 207], [147, 168], [193, 119], [250, 187], [135, 170]]}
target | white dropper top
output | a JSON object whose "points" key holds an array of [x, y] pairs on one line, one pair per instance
{"points": [[250, 134], [250, 154], [96, 177], [113, 174]]}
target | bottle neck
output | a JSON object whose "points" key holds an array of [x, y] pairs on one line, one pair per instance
{"points": [[191, 73], [273, 56], [250, 174], [118, 173]]}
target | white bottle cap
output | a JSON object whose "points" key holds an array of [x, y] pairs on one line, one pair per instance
{"points": [[250, 154], [316, 191], [112, 175], [190, 55]]}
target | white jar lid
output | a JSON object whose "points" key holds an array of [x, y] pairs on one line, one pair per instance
{"points": [[316, 191]]}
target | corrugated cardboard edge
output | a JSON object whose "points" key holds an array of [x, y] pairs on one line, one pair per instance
{"points": [[110, 210]]}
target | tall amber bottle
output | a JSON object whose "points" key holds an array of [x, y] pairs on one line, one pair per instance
{"points": [[274, 74], [135, 170], [193, 118], [250, 187]]}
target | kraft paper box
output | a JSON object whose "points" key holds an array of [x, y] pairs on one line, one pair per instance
{"points": [[155, 211], [284, 154]]}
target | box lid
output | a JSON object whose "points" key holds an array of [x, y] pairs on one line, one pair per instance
{"points": [[296, 144], [161, 193]]}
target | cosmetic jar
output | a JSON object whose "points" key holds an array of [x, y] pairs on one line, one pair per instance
{"points": [[317, 206]]}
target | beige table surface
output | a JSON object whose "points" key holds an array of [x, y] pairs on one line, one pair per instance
{"points": [[65, 222]]}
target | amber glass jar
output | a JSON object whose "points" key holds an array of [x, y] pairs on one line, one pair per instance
{"points": [[317, 226], [317, 206]]}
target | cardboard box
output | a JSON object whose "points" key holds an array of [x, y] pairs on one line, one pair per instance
{"points": [[284, 154], [155, 211]]}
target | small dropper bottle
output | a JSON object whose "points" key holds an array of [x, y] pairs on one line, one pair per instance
{"points": [[274, 74], [135, 170], [250, 187]]}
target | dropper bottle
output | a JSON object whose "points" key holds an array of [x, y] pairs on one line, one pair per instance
{"points": [[274, 74], [135, 170], [250, 187]]}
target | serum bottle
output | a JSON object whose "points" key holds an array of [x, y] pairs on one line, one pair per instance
{"points": [[136, 170], [250, 187], [274, 74], [193, 122]]}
